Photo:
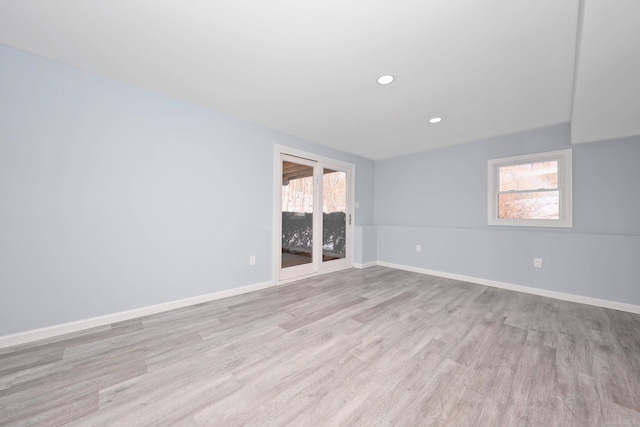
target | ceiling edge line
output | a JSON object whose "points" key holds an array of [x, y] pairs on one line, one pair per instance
{"points": [[581, 6]]}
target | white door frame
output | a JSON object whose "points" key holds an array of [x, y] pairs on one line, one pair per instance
{"points": [[318, 266]]}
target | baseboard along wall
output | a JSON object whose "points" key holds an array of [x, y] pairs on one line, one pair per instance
{"points": [[519, 288], [56, 330], [366, 265], [66, 328]]}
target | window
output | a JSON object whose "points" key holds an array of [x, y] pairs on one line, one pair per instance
{"points": [[532, 190]]}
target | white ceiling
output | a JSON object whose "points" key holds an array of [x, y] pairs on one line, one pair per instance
{"points": [[607, 88], [309, 69]]}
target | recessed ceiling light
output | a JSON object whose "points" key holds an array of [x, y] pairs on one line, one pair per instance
{"points": [[385, 79], [435, 120]]}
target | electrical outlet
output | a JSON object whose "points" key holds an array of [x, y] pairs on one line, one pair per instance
{"points": [[418, 248], [537, 262], [252, 260]]}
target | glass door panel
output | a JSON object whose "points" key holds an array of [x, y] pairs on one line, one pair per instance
{"points": [[314, 210], [334, 215], [297, 213]]}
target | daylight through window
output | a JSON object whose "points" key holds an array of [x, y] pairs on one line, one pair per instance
{"points": [[532, 190]]}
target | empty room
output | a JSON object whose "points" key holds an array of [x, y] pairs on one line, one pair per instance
{"points": [[295, 213]]}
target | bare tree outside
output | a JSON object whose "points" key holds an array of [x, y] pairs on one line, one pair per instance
{"points": [[334, 191], [297, 195], [297, 214], [529, 191]]}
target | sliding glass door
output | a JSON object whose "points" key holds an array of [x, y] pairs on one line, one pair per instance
{"points": [[315, 217], [298, 190], [335, 217]]}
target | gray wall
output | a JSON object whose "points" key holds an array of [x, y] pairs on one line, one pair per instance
{"points": [[115, 198], [439, 199], [367, 250]]}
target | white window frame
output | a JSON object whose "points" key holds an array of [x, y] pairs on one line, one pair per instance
{"points": [[564, 159]]}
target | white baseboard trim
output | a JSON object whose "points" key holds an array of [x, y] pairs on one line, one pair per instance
{"points": [[365, 265], [519, 288], [65, 328]]}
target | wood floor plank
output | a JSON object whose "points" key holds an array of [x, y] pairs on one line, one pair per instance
{"points": [[367, 347], [494, 375], [319, 314]]}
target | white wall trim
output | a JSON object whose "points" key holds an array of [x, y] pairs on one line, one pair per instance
{"points": [[519, 288], [365, 265], [564, 159], [65, 328]]}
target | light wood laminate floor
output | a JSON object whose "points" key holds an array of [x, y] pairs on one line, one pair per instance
{"points": [[355, 348]]}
